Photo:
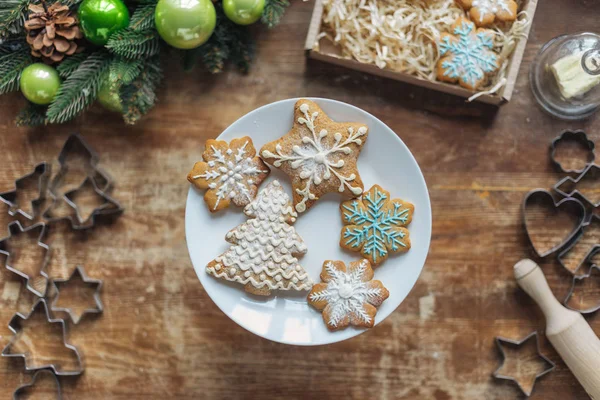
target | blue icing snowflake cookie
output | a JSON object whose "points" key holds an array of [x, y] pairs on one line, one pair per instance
{"points": [[467, 55], [375, 225]]}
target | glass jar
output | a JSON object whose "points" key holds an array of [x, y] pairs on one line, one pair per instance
{"points": [[576, 59]]}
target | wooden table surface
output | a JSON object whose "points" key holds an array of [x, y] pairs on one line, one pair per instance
{"points": [[162, 337]]}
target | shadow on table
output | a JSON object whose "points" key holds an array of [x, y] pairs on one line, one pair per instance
{"points": [[396, 92]]}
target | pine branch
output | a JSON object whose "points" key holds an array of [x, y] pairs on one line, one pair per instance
{"points": [[80, 89], [139, 97], [274, 10], [241, 48], [126, 70], [31, 115], [11, 65], [134, 44], [70, 64], [143, 17], [12, 16]]}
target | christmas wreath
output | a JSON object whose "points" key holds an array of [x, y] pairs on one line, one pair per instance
{"points": [[65, 54]]}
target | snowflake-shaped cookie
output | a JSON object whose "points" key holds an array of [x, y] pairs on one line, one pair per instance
{"points": [[318, 154], [231, 173], [485, 12], [467, 55], [348, 296], [376, 225]]}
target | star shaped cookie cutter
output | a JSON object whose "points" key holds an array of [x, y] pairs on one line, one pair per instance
{"points": [[500, 340], [86, 280], [20, 391], [15, 327], [13, 228], [42, 169]]}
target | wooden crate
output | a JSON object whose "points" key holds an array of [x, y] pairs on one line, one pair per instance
{"points": [[328, 52]]}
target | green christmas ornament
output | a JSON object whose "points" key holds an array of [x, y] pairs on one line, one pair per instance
{"points": [[185, 24], [101, 18], [243, 12], [39, 83], [108, 95]]}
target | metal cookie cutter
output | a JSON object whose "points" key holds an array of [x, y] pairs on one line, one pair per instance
{"points": [[500, 341], [86, 280], [15, 326], [593, 273], [10, 198], [76, 144], [575, 206], [568, 186], [16, 227], [593, 249], [21, 391], [577, 136]]}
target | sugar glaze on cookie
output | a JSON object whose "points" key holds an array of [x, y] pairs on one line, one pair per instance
{"points": [[263, 255]]}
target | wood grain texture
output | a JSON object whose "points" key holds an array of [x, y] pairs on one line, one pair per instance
{"points": [[162, 337]]}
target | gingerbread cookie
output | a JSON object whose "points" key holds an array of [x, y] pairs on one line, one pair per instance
{"points": [[231, 173], [318, 154], [467, 55], [375, 225], [486, 12], [348, 296], [263, 255]]}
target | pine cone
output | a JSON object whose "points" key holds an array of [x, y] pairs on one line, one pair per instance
{"points": [[52, 32]]}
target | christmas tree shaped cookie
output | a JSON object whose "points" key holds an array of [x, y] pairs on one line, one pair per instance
{"points": [[467, 55], [318, 154], [231, 173], [375, 225], [264, 248]]}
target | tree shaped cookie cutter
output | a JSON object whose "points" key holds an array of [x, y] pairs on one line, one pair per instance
{"points": [[18, 394], [87, 280], [15, 327], [14, 227], [499, 342], [594, 270], [577, 136], [592, 170], [10, 198]]}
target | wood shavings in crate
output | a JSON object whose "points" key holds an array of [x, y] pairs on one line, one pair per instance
{"points": [[399, 36]]}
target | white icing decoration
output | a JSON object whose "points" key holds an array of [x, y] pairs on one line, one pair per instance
{"points": [[264, 247], [230, 175], [346, 293], [316, 159], [491, 7]]}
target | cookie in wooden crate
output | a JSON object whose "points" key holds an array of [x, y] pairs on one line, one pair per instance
{"points": [[318, 154], [232, 173], [486, 12], [348, 295], [467, 55]]}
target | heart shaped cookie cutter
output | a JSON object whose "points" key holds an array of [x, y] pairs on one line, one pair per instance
{"points": [[544, 195]]}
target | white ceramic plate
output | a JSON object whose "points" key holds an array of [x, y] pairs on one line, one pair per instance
{"points": [[286, 317]]}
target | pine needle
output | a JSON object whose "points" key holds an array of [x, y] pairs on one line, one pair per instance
{"points": [[126, 70], [139, 97], [31, 115], [143, 17], [129, 43], [70, 64], [273, 12], [11, 66], [80, 89], [12, 16]]}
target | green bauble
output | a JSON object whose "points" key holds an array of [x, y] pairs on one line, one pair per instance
{"points": [[108, 95], [39, 83], [101, 18], [243, 12], [185, 24]]}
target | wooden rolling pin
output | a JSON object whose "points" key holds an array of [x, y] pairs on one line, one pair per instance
{"points": [[566, 329]]}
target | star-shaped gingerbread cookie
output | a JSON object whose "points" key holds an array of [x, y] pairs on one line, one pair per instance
{"points": [[318, 154]]}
